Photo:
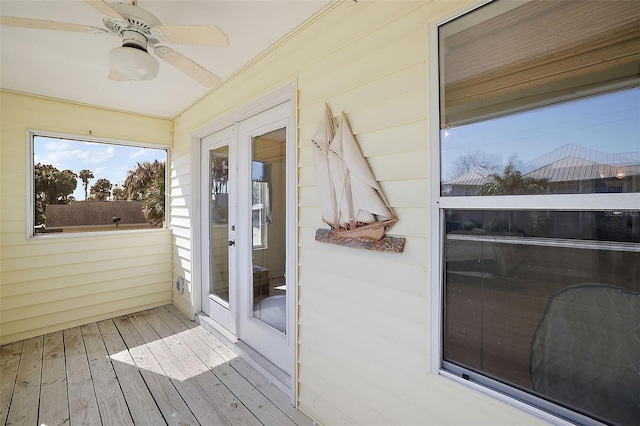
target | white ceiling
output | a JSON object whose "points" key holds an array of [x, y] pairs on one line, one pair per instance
{"points": [[74, 66]]}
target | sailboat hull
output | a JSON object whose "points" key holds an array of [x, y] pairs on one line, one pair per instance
{"points": [[387, 243], [373, 231]]}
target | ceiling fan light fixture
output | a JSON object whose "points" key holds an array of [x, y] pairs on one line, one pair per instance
{"points": [[133, 63]]}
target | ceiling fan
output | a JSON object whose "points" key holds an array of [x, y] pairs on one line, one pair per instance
{"points": [[140, 31]]}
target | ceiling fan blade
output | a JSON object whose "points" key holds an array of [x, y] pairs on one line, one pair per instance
{"points": [[38, 24], [103, 8], [206, 35], [187, 66]]}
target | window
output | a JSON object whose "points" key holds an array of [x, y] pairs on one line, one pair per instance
{"points": [[259, 203], [95, 186], [539, 207]]}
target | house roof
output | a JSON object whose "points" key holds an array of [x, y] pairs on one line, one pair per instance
{"points": [[477, 176], [92, 213], [565, 164], [584, 153], [573, 163]]}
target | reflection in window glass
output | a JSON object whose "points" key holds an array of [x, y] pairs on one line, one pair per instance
{"points": [[259, 203], [218, 228], [268, 202], [81, 186], [589, 145], [548, 315]]}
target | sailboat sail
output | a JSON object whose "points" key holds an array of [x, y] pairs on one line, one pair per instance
{"points": [[351, 199]]}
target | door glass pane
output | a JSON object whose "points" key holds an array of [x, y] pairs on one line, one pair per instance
{"points": [[219, 229], [268, 222]]}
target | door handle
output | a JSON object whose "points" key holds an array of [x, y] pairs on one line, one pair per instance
{"points": [[232, 243]]}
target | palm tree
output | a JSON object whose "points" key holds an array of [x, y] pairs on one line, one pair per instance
{"points": [[511, 182], [85, 175], [141, 178], [101, 190]]}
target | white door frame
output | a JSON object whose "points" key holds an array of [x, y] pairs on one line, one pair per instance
{"points": [[280, 96]]}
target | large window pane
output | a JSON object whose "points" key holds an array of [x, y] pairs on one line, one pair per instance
{"points": [[551, 316], [86, 186]]}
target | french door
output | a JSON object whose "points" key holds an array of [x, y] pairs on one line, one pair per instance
{"points": [[246, 217]]}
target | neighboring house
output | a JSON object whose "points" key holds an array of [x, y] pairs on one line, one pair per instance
{"points": [[442, 333], [86, 216], [567, 170], [467, 183]]}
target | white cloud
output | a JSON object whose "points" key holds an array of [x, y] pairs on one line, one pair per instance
{"points": [[140, 152]]}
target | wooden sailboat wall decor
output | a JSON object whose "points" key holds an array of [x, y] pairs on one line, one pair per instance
{"points": [[351, 200]]}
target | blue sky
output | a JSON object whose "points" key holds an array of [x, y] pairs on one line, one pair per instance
{"points": [[608, 123], [105, 160]]}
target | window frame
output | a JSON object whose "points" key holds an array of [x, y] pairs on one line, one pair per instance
{"points": [[529, 403], [30, 190]]}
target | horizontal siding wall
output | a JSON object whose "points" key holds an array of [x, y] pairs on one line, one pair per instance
{"points": [[364, 317], [49, 284]]}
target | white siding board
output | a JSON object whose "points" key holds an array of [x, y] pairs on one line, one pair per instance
{"points": [[350, 264], [54, 293], [343, 399], [308, 196], [40, 246], [84, 268], [332, 79], [413, 221], [62, 259], [70, 302], [315, 403], [399, 331], [401, 166], [377, 387], [383, 299], [44, 324], [410, 193], [180, 222], [406, 137], [364, 24]]}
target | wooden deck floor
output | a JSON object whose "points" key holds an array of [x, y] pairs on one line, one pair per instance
{"points": [[150, 368]]}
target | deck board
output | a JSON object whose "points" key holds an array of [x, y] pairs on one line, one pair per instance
{"points": [[111, 403], [172, 406], [142, 406], [54, 408], [83, 405], [9, 361], [26, 392], [153, 367]]}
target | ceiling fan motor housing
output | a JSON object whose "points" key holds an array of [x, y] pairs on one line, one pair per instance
{"points": [[132, 38]]}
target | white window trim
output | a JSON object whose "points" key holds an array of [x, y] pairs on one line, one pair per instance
{"points": [[520, 202], [31, 133]]}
